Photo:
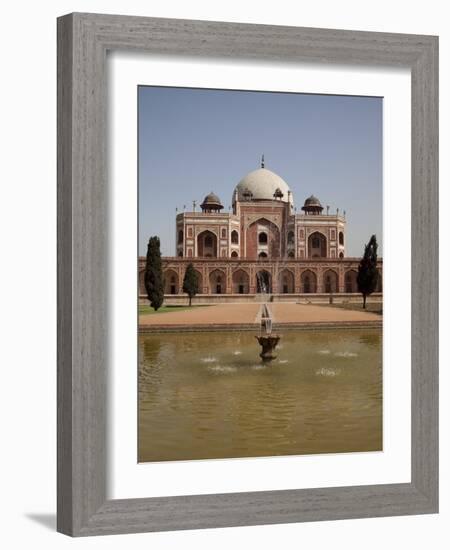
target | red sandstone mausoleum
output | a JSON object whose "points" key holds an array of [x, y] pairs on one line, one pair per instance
{"points": [[261, 245]]}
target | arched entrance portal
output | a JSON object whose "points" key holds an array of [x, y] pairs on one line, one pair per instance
{"points": [[207, 245], [350, 280], [330, 281], [317, 245], [170, 282], [262, 240], [263, 282], [240, 282], [217, 282], [309, 282], [286, 283]]}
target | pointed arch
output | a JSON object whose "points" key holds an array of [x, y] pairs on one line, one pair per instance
{"points": [[330, 281], [317, 245], [308, 280], [262, 235], [350, 281], [241, 281], [207, 244], [171, 282], [286, 283], [263, 282], [217, 281]]}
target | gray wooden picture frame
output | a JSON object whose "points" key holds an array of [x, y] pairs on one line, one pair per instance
{"points": [[83, 41]]}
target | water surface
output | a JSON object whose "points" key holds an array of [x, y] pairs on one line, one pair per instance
{"points": [[208, 395]]}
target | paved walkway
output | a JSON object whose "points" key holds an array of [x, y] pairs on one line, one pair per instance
{"points": [[227, 315], [302, 313]]}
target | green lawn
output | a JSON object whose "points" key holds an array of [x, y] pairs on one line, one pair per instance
{"points": [[147, 310]]}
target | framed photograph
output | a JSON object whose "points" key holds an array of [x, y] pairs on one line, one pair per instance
{"points": [[247, 274]]}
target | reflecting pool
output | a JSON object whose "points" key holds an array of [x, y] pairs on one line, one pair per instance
{"points": [[208, 395]]}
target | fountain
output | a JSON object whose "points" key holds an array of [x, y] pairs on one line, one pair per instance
{"points": [[268, 341]]}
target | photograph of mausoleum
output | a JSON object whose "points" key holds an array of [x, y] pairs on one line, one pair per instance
{"points": [[260, 322], [262, 244]]}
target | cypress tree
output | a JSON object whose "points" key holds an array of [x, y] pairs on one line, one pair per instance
{"points": [[367, 271], [154, 281], [190, 282]]}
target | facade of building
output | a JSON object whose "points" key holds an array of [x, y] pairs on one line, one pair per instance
{"points": [[261, 245]]}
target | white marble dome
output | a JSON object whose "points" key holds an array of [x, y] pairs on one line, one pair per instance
{"points": [[262, 184]]}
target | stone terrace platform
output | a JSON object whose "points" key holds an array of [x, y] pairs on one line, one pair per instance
{"points": [[246, 317]]}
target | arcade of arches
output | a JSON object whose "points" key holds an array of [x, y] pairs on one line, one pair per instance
{"points": [[245, 277]]}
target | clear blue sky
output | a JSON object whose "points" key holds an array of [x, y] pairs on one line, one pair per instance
{"points": [[193, 141]]}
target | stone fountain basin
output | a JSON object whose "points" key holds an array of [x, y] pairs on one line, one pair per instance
{"points": [[268, 342]]}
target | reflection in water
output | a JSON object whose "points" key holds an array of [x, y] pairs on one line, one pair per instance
{"points": [[207, 395]]}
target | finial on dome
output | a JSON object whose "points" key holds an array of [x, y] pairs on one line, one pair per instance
{"points": [[262, 161]]}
